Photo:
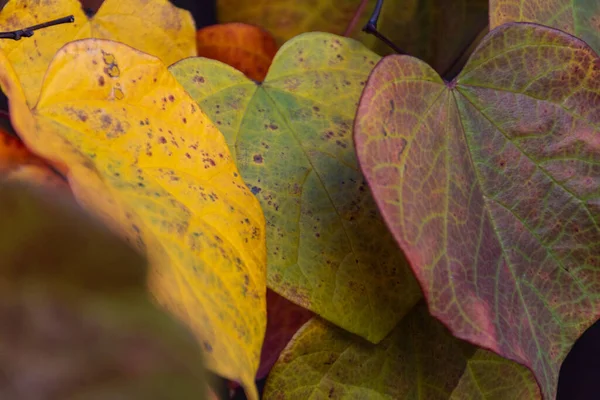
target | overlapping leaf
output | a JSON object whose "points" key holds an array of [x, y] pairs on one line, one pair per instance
{"points": [[284, 318], [247, 48], [436, 31], [75, 320], [490, 184], [328, 249], [18, 164], [161, 30], [138, 152], [577, 17], [418, 360]]}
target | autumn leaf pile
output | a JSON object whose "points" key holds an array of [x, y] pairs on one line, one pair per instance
{"points": [[428, 225]]}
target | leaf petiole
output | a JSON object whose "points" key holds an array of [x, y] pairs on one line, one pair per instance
{"points": [[371, 28], [28, 32]]}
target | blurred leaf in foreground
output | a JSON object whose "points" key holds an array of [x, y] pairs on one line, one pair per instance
{"points": [[75, 319]]}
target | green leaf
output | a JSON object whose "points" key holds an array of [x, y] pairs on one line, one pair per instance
{"points": [[328, 248], [418, 360], [577, 17], [491, 185], [76, 321]]}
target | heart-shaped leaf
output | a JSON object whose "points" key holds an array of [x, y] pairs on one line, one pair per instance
{"points": [[139, 153], [491, 185], [418, 360], [328, 249], [161, 30]]}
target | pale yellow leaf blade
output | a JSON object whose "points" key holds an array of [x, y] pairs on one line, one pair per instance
{"points": [[161, 30], [140, 153]]}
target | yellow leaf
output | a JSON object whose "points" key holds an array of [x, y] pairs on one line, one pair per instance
{"points": [[139, 152], [75, 320], [161, 30]]}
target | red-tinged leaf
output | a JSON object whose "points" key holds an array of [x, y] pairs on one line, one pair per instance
{"points": [[491, 185], [284, 318], [247, 48]]}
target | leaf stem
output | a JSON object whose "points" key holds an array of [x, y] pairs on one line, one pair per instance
{"points": [[453, 69], [371, 27], [28, 32], [355, 18]]}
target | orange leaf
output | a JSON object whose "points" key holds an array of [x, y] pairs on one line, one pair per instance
{"points": [[17, 163], [247, 48]]}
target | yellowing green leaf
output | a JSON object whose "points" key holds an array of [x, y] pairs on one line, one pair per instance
{"points": [[288, 18], [419, 27], [577, 17], [328, 249], [75, 320], [140, 153], [160, 29], [418, 360], [490, 377]]}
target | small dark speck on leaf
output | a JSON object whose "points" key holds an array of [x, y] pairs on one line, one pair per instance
{"points": [[258, 158], [207, 347], [256, 190], [101, 80]]}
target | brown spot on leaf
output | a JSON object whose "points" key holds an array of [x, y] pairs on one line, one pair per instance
{"points": [[105, 121], [258, 158]]}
